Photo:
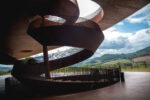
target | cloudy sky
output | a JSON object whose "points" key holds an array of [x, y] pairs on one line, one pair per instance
{"points": [[129, 35]]}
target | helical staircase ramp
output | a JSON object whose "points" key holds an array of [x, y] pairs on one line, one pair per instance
{"points": [[68, 30]]}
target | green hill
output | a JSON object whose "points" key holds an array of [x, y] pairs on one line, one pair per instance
{"points": [[110, 57], [4, 69], [115, 57], [140, 59], [119, 61], [140, 53]]}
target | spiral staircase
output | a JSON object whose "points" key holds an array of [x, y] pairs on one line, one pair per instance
{"points": [[59, 24]]}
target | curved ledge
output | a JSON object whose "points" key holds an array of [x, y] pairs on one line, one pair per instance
{"points": [[84, 34]]}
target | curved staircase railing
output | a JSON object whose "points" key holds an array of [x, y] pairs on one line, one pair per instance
{"points": [[71, 31]]}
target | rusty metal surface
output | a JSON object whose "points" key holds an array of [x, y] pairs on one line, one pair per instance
{"points": [[80, 33], [84, 34], [46, 62]]}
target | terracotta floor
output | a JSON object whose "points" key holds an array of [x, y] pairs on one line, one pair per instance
{"points": [[136, 87]]}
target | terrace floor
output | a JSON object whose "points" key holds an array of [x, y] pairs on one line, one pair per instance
{"points": [[135, 87]]}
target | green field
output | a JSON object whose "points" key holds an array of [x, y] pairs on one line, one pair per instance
{"points": [[139, 69], [129, 65], [125, 64], [121, 61], [5, 72]]}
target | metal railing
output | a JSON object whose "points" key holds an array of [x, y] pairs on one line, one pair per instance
{"points": [[87, 74]]}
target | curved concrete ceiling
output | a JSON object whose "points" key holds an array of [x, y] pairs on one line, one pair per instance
{"points": [[117, 10], [14, 40]]}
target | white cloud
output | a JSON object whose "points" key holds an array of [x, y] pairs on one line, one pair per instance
{"points": [[101, 52], [117, 42], [140, 39], [148, 22], [113, 34], [120, 23], [143, 15], [133, 19]]}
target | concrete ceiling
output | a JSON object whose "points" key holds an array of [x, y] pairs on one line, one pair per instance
{"points": [[117, 10], [15, 41]]}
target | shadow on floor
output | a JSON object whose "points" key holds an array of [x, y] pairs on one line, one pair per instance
{"points": [[21, 92]]}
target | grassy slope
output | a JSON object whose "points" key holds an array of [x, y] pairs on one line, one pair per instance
{"points": [[129, 65], [121, 61], [144, 58], [111, 57], [4, 69]]}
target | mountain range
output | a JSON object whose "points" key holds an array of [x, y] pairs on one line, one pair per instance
{"points": [[112, 57], [5, 67]]}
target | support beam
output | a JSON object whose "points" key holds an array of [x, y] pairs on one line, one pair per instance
{"points": [[46, 62]]}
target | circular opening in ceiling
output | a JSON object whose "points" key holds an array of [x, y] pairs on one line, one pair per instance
{"points": [[88, 7]]}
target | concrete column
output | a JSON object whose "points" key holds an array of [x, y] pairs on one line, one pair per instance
{"points": [[46, 62], [122, 77]]}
